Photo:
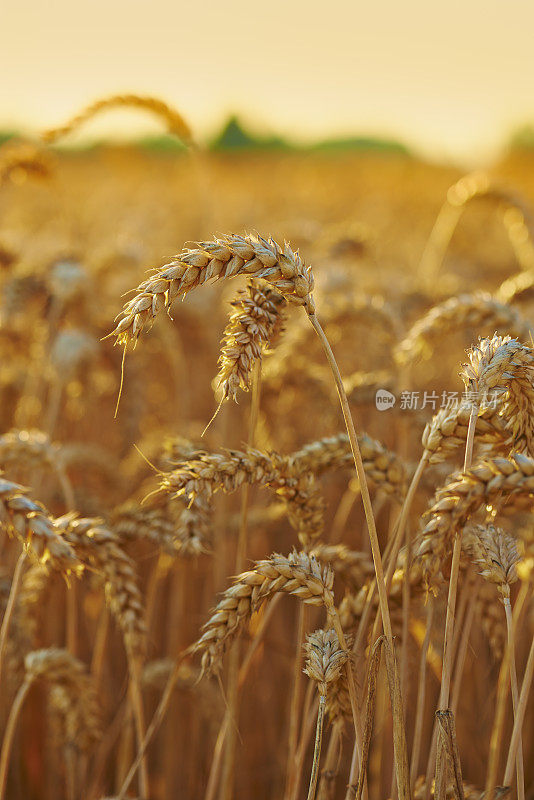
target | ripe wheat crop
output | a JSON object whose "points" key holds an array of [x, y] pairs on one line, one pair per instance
{"points": [[324, 589]]}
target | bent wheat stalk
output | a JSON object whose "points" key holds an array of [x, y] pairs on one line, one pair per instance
{"points": [[176, 124]]}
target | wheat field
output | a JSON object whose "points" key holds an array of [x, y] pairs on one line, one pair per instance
{"points": [[267, 473]]}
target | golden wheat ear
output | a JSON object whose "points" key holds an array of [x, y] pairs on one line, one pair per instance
{"points": [[173, 120]]}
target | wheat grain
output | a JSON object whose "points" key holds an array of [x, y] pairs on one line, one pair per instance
{"points": [[325, 658], [495, 551], [446, 433], [503, 366], [225, 257], [298, 574], [180, 531], [495, 481], [208, 473], [354, 567], [31, 523], [384, 469], [77, 700], [99, 549], [253, 327]]}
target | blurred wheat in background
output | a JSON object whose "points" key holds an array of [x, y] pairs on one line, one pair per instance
{"points": [[273, 541]]}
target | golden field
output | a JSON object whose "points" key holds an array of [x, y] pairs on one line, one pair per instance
{"points": [[121, 534]]}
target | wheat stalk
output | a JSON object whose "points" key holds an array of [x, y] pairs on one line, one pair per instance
{"points": [[176, 124]]}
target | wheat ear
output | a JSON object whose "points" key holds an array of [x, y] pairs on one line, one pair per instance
{"points": [[32, 524], [252, 328], [324, 662], [225, 257], [176, 124], [98, 547], [59, 669], [472, 186], [477, 311]]}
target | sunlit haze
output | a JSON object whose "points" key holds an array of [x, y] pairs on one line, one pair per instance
{"points": [[453, 79]]}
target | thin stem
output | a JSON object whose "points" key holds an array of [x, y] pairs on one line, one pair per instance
{"points": [[308, 718], [317, 749], [472, 592], [390, 555], [71, 593], [520, 716], [139, 720], [459, 616], [8, 614], [453, 582], [329, 771], [421, 691], [520, 770], [498, 726], [296, 697], [157, 719], [373, 537], [358, 463], [448, 639], [71, 618], [158, 574], [401, 525], [104, 748], [9, 734], [342, 514], [406, 598], [350, 684], [500, 713], [66, 486], [99, 649], [243, 672], [227, 787], [437, 243]]}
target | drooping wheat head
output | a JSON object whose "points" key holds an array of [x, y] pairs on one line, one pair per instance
{"points": [[252, 328]]}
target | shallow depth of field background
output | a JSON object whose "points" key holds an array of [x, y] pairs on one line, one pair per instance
{"points": [[340, 128]]}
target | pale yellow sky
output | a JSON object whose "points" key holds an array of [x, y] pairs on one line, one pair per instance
{"points": [[452, 77]]}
